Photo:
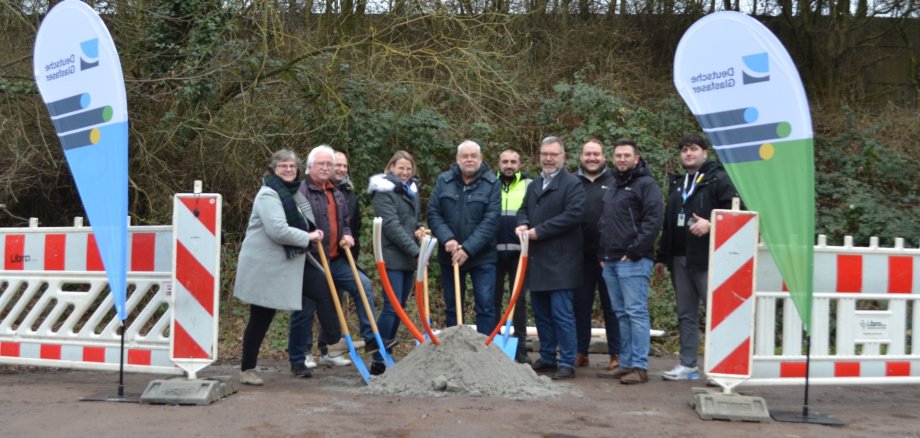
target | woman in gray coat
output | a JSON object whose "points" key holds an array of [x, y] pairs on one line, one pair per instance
{"points": [[395, 199], [270, 269]]}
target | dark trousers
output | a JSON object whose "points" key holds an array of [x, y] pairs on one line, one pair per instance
{"points": [[260, 318], [584, 307], [506, 268]]}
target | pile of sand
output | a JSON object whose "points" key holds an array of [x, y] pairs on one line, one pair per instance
{"points": [[462, 365]]}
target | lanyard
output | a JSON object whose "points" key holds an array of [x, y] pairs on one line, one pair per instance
{"points": [[687, 193]]}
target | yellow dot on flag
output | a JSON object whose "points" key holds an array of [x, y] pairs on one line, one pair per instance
{"points": [[766, 151], [94, 136]]}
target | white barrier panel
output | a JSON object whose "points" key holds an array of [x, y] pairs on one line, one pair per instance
{"points": [[865, 298], [56, 309], [196, 281]]}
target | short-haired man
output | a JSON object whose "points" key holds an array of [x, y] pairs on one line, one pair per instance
{"points": [[343, 182], [463, 215], [513, 185], [329, 207], [595, 176], [629, 224], [684, 246], [552, 217]]}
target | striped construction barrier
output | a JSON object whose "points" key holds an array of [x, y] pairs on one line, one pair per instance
{"points": [[56, 309], [865, 302], [730, 305]]}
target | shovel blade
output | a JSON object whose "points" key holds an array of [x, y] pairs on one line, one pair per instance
{"points": [[356, 360]]}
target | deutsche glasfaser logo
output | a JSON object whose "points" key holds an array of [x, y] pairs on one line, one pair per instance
{"points": [[90, 56], [756, 68]]}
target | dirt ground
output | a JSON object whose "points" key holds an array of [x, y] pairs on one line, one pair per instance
{"points": [[46, 403]]}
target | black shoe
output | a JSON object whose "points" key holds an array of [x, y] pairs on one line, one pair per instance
{"points": [[378, 368], [564, 373], [522, 357], [539, 365], [371, 347], [301, 370]]}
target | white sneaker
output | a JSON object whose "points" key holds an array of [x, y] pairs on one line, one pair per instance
{"points": [[681, 372], [309, 362], [250, 377], [338, 361]]}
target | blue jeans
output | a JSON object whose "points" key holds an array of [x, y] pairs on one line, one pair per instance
{"points": [[555, 318], [483, 277], [300, 337], [388, 322], [627, 282]]}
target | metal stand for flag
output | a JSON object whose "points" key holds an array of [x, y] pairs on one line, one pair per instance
{"points": [[805, 416], [120, 395]]}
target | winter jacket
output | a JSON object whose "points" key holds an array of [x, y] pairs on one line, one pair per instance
{"points": [[400, 213], [508, 244], [715, 190], [632, 214], [555, 257], [264, 275], [354, 213], [466, 213], [594, 194], [317, 198]]}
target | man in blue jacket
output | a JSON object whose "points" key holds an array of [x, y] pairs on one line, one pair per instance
{"points": [[552, 216], [463, 215]]}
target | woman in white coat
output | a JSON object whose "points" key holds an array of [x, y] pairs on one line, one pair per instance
{"points": [[271, 262]]}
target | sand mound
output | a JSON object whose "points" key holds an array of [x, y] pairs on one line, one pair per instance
{"points": [[462, 365]]}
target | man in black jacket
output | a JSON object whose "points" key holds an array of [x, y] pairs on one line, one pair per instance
{"points": [[684, 247], [343, 182], [629, 224], [551, 216]]}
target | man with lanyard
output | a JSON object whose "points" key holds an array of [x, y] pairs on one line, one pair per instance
{"points": [[463, 215], [684, 246], [596, 178], [329, 208], [514, 186]]}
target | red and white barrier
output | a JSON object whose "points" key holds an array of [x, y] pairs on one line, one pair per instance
{"points": [[196, 281], [56, 309], [730, 305]]}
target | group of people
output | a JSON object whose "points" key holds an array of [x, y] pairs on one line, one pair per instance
{"points": [[589, 231]]}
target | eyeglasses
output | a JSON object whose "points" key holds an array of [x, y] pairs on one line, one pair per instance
{"points": [[286, 166], [550, 154]]}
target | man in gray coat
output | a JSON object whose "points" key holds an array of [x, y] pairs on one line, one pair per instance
{"points": [[552, 216]]}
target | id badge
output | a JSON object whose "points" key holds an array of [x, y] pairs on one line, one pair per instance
{"points": [[681, 219]]}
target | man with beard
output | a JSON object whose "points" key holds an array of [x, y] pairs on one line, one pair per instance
{"points": [[463, 215], [596, 178], [513, 185], [630, 220]]}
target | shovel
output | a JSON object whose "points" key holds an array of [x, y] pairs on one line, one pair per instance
{"points": [[458, 303], [355, 358], [367, 307], [385, 280], [428, 245], [507, 341]]}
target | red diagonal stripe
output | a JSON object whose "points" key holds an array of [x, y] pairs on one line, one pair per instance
{"points": [[207, 211], [900, 274], [93, 259], [142, 250], [195, 278], [185, 347], [736, 362], [729, 225], [55, 246], [731, 294], [13, 252], [849, 273]]}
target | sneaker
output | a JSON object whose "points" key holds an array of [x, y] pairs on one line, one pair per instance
{"points": [[614, 362], [539, 365], [341, 347], [372, 347], [581, 360], [638, 375], [378, 368], [338, 361], [615, 373], [681, 372], [564, 373], [310, 362], [301, 370], [250, 377]]}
